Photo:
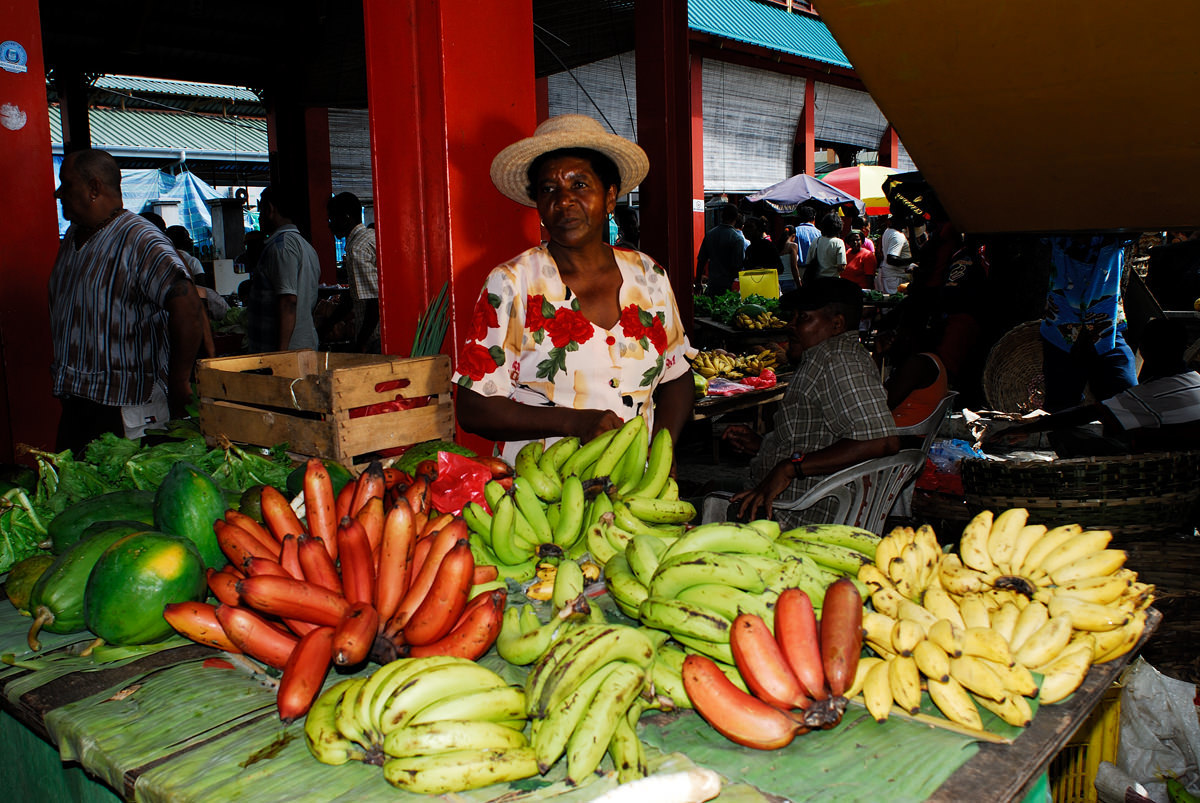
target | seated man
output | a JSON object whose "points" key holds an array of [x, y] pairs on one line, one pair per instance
{"points": [[1160, 413], [834, 413]]}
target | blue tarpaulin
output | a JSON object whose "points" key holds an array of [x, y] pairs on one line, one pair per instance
{"points": [[140, 189]]}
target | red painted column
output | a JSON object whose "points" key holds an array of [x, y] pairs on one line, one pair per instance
{"points": [[889, 148], [443, 102], [665, 127], [804, 145], [320, 187], [697, 75], [29, 234]]}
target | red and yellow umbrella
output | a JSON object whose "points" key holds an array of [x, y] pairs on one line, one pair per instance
{"points": [[862, 181]]}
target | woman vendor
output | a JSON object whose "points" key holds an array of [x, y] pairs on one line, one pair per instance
{"points": [[572, 337]]}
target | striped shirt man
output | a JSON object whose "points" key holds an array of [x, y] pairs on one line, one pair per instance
{"points": [[363, 275], [108, 320]]}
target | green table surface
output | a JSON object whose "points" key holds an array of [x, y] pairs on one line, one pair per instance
{"points": [[175, 725]]}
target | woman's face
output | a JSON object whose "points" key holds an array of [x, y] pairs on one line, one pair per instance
{"points": [[853, 242], [572, 201]]}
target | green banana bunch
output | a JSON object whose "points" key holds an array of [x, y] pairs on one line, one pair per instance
{"points": [[412, 717], [580, 690]]}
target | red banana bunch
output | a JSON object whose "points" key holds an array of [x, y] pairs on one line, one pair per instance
{"points": [[797, 676], [355, 580]]}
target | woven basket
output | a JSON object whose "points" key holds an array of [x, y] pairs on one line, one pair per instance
{"points": [[1131, 495], [1012, 375]]}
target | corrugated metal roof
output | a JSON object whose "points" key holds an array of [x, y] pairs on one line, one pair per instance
{"points": [[187, 89], [767, 26], [113, 128]]}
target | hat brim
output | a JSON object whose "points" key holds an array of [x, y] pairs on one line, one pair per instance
{"points": [[510, 168]]}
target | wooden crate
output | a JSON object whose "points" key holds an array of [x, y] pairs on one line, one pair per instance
{"points": [[305, 398]]}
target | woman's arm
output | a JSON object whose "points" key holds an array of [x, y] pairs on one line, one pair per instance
{"points": [[673, 402], [499, 418]]}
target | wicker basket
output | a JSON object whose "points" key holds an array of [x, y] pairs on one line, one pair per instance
{"points": [[1012, 376], [1131, 494]]}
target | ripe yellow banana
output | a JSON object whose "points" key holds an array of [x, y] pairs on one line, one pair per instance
{"points": [[1046, 642], [1098, 590], [932, 660], [1115, 643], [976, 676], [1088, 615], [1075, 548], [973, 546], [1013, 709], [1030, 534], [958, 579], [1002, 538], [906, 635], [904, 679], [860, 675], [1097, 564], [939, 603], [1004, 620], [984, 642], [1045, 545], [954, 701], [948, 636], [1032, 617], [877, 691], [974, 611], [1064, 674]]}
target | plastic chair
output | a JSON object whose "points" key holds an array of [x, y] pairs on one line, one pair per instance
{"points": [[864, 492], [928, 429]]}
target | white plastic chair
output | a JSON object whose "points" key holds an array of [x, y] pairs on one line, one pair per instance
{"points": [[927, 430], [864, 492]]}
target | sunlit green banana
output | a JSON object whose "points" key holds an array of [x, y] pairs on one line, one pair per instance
{"points": [[717, 650], [658, 466], [613, 643], [767, 527], [532, 509], [557, 453], [451, 734], [661, 511], [546, 485], [479, 521], [625, 589], [628, 473], [670, 490], [581, 460], [327, 744], [460, 770], [705, 567], [568, 584], [728, 537], [843, 535], [669, 683], [499, 704], [492, 491], [504, 522], [369, 705], [572, 510], [643, 554], [627, 752], [598, 504], [591, 737], [838, 558], [625, 518], [548, 663], [431, 686], [552, 732], [684, 618], [728, 601], [349, 723], [598, 545], [611, 457]]}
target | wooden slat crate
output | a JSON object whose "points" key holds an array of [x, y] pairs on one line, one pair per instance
{"points": [[305, 398]]}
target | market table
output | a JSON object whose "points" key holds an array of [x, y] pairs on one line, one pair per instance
{"points": [[177, 725]]}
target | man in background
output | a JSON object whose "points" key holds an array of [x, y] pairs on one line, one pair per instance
{"points": [[807, 232], [285, 282], [125, 320], [345, 220], [722, 253]]}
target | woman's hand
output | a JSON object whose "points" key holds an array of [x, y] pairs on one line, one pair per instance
{"points": [[593, 423], [742, 439]]}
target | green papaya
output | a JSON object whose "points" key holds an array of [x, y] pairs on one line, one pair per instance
{"points": [[22, 577], [134, 579], [68, 526], [339, 475], [56, 601], [250, 502], [188, 503]]}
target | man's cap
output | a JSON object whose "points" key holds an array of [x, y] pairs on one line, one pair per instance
{"points": [[820, 293]]}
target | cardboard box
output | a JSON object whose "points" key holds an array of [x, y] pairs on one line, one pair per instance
{"points": [[318, 402]]}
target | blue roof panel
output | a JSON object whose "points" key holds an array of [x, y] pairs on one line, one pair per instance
{"points": [[185, 89], [767, 26]]}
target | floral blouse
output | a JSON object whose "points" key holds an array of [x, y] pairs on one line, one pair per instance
{"points": [[529, 342]]}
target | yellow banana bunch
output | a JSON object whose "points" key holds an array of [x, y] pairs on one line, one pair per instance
{"points": [[1016, 597]]}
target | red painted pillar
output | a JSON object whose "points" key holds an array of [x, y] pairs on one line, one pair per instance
{"points": [[442, 104], [665, 126], [889, 148], [29, 233], [804, 145], [697, 74], [320, 188]]}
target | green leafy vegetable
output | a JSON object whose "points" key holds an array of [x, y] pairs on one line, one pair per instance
{"points": [[22, 530]]}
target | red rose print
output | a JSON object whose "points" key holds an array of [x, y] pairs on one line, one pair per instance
{"points": [[476, 362], [533, 313], [483, 318], [568, 326], [631, 322], [658, 335]]}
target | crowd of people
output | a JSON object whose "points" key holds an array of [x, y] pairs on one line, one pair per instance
{"points": [[582, 331]]}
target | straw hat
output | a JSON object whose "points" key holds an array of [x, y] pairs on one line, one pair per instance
{"points": [[510, 168]]}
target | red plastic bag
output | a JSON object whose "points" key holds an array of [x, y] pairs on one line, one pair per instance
{"points": [[459, 480]]}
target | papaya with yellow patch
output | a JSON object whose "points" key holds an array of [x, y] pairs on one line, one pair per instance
{"points": [[135, 579]]}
